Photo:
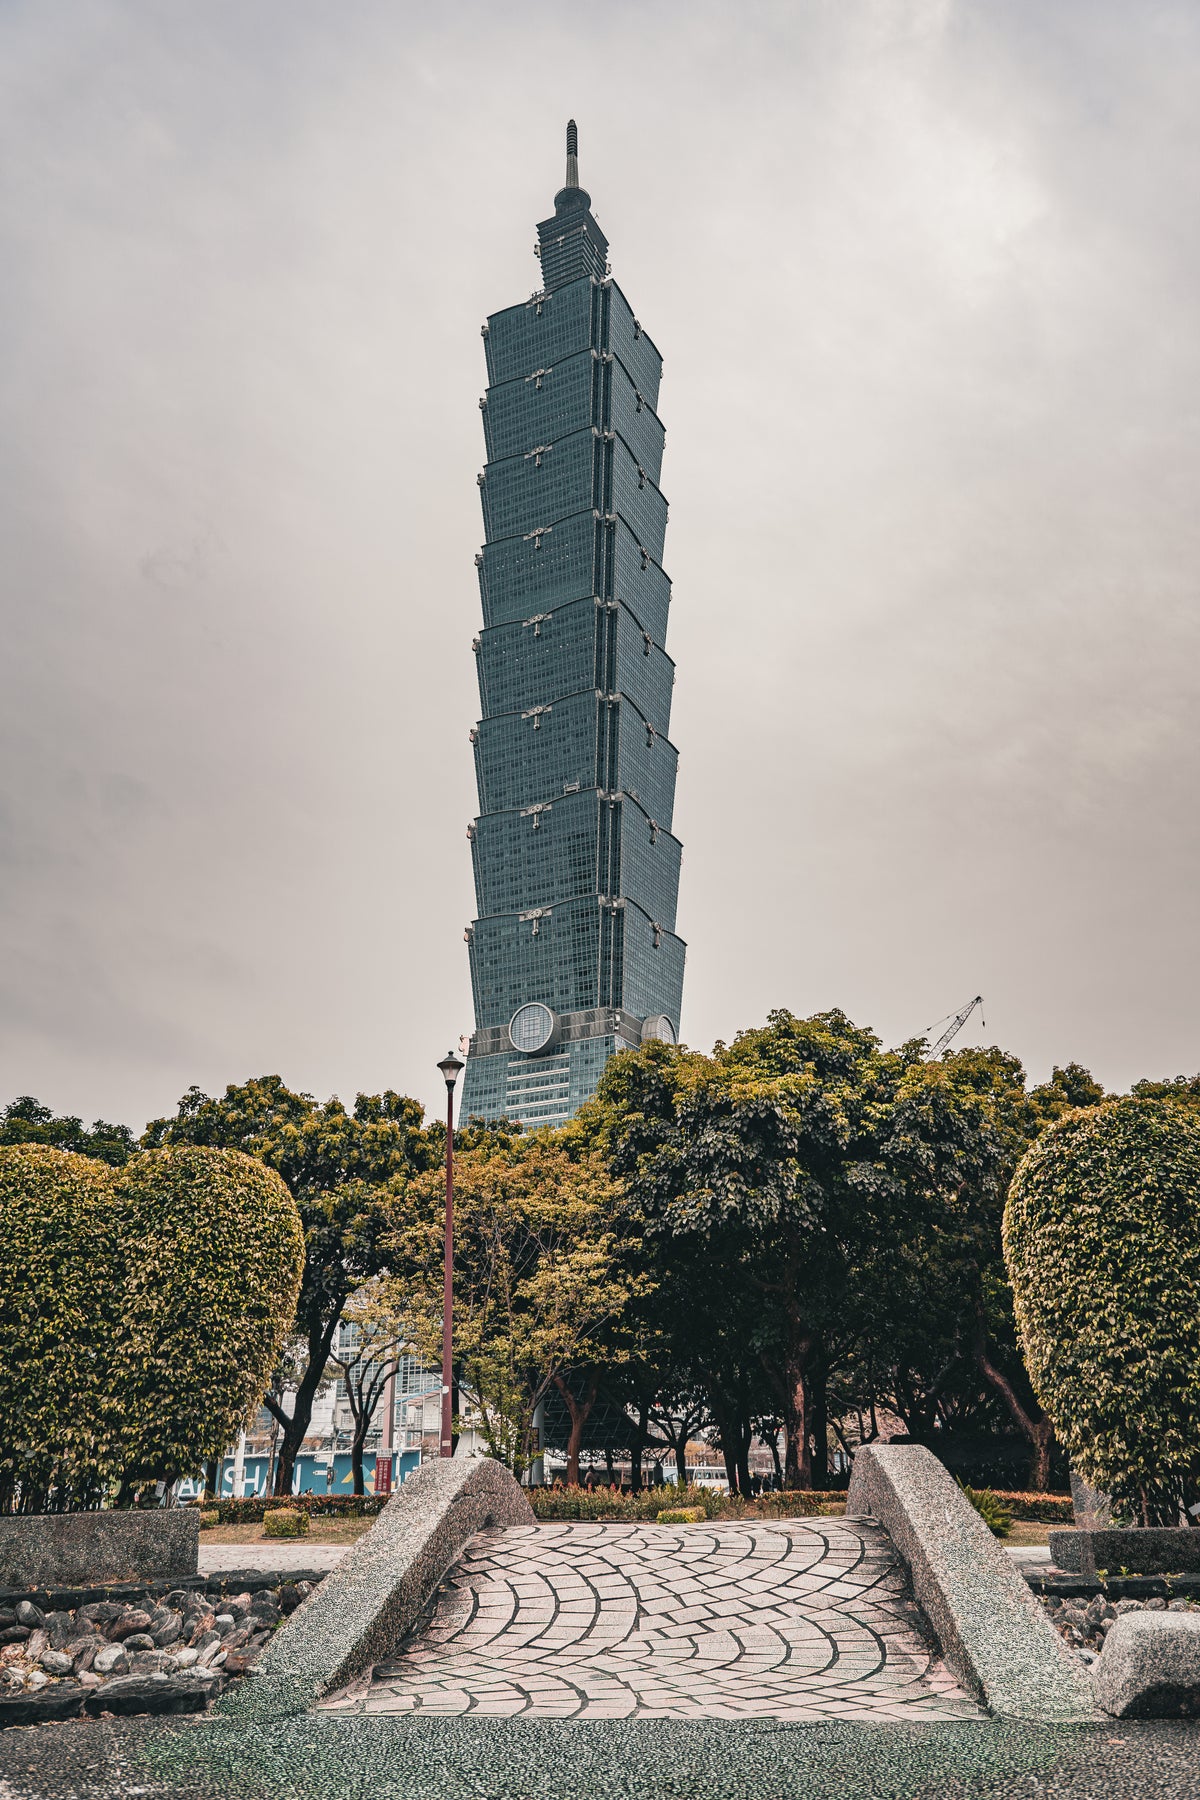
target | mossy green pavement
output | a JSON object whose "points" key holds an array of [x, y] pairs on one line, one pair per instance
{"points": [[315, 1757]]}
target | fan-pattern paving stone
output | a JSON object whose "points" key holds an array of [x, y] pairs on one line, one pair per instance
{"points": [[790, 1619]]}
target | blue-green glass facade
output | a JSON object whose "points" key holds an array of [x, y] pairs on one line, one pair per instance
{"points": [[576, 866]]}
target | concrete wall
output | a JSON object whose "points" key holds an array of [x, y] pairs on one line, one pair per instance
{"points": [[61, 1549]]}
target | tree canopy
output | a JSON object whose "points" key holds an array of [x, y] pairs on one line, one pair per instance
{"points": [[26, 1121], [345, 1168], [541, 1285], [141, 1312], [783, 1174], [1102, 1240]]}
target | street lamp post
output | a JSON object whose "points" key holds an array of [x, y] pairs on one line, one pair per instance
{"points": [[450, 1067]]}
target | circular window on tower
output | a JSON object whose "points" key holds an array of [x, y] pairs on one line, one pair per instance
{"points": [[658, 1026], [532, 1027]]}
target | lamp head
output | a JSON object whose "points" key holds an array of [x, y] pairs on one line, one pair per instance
{"points": [[451, 1068]]}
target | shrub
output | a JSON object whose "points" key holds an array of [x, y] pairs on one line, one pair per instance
{"points": [[681, 1515], [1102, 1241], [252, 1510], [58, 1315], [1038, 1509], [209, 1517], [142, 1310], [991, 1510], [285, 1522], [559, 1502]]}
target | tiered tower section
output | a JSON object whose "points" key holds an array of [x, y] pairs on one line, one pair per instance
{"points": [[574, 954]]}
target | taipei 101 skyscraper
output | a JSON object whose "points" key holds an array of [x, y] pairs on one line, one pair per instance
{"points": [[574, 954]]}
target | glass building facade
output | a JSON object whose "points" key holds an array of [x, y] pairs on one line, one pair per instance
{"points": [[574, 953]]}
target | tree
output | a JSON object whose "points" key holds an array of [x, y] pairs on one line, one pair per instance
{"points": [[692, 1326], [941, 1347], [540, 1283], [141, 1312], [680, 1413], [366, 1354], [1102, 1241], [26, 1121], [347, 1172], [1182, 1090], [783, 1173]]}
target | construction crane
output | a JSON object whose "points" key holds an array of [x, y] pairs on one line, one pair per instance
{"points": [[954, 1027]]}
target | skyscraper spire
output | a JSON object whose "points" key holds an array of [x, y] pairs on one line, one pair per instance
{"points": [[572, 211]]}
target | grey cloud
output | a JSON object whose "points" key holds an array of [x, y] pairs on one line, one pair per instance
{"points": [[925, 279]]}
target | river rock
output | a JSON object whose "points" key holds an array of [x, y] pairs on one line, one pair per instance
{"points": [[112, 1660], [61, 1627], [131, 1622], [100, 1612], [150, 1662], [56, 1700]]}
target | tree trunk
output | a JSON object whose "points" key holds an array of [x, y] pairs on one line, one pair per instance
{"points": [[641, 1433], [579, 1411], [295, 1428], [681, 1459], [797, 1464], [727, 1434], [609, 1468], [357, 1443], [743, 1459], [1040, 1432], [820, 1430], [269, 1486]]}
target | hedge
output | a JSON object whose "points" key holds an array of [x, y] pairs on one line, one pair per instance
{"points": [[1037, 1509], [250, 1511], [560, 1502], [142, 1310], [1102, 1241]]}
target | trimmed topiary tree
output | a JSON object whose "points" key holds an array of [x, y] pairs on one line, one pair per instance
{"points": [[58, 1315], [1102, 1242], [142, 1310]]}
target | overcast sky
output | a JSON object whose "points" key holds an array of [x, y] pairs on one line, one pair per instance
{"points": [[925, 275]]}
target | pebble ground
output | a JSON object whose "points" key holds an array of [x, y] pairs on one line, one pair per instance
{"points": [[330, 1756]]}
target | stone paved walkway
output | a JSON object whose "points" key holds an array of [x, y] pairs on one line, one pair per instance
{"points": [[272, 1554], [790, 1619]]}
